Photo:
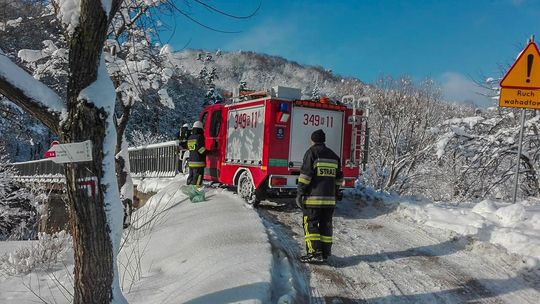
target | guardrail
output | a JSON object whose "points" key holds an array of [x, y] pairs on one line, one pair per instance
{"points": [[155, 160]]}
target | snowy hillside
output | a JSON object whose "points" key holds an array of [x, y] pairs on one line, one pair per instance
{"points": [[262, 71]]}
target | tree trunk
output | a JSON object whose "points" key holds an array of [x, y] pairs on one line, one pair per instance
{"points": [[91, 231], [92, 188]]}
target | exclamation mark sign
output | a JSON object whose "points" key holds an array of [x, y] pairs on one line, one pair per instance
{"points": [[530, 59]]}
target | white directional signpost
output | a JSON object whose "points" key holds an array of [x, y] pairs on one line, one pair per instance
{"points": [[520, 88], [70, 153]]}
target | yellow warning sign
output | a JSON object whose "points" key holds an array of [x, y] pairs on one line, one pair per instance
{"points": [[525, 73], [519, 98]]}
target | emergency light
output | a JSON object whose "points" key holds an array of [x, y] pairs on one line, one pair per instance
{"points": [[284, 107]]}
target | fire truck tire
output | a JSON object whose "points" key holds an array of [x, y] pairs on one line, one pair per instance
{"points": [[246, 189]]}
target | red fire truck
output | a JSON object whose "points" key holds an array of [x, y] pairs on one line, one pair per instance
{"points": [[258, 140]]}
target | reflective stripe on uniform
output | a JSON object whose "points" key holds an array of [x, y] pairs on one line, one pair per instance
{"points": [[313, 237], [325, 162], [201, 150], [326, 239], [304, 179], [308, 241], [191, 144], [196, 164], [320, 200]]}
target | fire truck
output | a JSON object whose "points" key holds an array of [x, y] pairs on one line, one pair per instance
{"points": [[257, 140]]}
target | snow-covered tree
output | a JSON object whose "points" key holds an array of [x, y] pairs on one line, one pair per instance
{"points": [[141, 138], [18, 206], [400, 122], [85, 113], [484, 149]]}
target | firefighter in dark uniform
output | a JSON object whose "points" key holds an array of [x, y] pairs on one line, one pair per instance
{"points": [[197, 155], [318, 186], [183, 136]]}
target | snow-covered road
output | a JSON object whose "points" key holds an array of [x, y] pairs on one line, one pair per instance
{"points": [[224, 251], [381, 257]]}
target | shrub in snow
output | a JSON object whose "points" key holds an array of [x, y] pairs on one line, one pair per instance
{"points": [[47, 251], [143, 138], [18, 206], [480, 152]]}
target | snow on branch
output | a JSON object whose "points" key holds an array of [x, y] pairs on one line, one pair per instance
{"points": [[29, 93]]}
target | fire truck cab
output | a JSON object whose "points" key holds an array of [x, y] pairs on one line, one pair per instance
{"points": [[257, 141]]}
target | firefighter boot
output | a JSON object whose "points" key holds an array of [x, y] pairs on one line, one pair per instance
{"points": [[312, 258]]}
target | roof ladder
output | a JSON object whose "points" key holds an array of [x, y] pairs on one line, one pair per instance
{"points": [[360, 131]]}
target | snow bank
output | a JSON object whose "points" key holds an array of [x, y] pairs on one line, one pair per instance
{"points": [[149, 185], [515, 227], [215, 251]]}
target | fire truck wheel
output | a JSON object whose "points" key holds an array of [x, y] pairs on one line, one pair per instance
{"points": [[246, 190]]}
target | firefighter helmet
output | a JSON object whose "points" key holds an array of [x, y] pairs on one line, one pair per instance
{"points": [[197, 124]]}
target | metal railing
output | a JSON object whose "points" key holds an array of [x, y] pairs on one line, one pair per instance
{"points": [[38, 171], [156, 160]]}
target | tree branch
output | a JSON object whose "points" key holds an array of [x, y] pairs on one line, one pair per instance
{"points": [[30, 94]]}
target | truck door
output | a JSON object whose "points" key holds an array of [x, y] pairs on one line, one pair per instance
{"points": [[214, 141]]}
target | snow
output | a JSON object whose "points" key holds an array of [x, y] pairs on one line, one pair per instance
{"points": [[216, 251], [32, 88], [167, 49], [516, 227], [106, 6], [69, 12], [102, 94], [219, 251], [165, 99], [157, 145], [126, 191]]}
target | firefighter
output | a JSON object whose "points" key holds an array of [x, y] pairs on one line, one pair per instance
{"points": [[318, 187], [183, 135], [197, 155]]}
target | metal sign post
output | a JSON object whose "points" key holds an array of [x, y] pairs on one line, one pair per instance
{"points": [[520, 88], [520, 144]]}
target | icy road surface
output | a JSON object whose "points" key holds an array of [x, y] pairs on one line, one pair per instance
{"points": [[381, 257]]}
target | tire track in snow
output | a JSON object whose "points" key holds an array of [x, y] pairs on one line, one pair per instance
{"points": [[382, 258]]}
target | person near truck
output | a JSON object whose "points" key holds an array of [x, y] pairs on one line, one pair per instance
{"points": [[183, 135], [197, 155], [318, 187]]}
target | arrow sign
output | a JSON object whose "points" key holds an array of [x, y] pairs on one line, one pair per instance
{"points": [[525, 73], [70, 153]]}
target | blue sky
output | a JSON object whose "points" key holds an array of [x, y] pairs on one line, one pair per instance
{"points": [[449, 41]]}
